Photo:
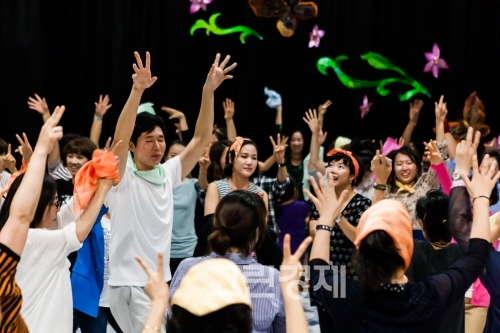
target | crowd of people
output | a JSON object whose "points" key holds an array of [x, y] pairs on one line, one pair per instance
{"points": [[191, 236]]}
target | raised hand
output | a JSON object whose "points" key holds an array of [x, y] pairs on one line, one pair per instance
{"points": [[465, 150], [155, 288], [325, 199], [102, 106], [24, 148], [400, 142], [322, 108], [107, 147], [434, 154], [291, 266], [278, 149], [228, 105], [415, 108], [322, 137], [312, 121], [38, 104], [142, 77], [381, 167], [218, 73], [484, 178], [173, 113], [9, 160], [440, 109], [50, 132]]}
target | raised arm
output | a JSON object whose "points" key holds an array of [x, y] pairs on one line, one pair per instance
{"points": [[25, 201], [312, 121], [179, 115], [228, 106], [205, 123], [204, 163], [279, 157], [278, 121], [101, 108], [415, 108], [9, 160], [438, 166], [441, 111], [212, 199], [322, 108], [382, 168], [142, 80]]}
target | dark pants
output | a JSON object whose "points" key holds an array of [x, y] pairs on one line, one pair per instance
{"points": [[174, 263], [89, 324]]}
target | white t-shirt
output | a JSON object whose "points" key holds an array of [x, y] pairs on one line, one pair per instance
{"points": [[43, 276], [141, 225], [106, 224]]}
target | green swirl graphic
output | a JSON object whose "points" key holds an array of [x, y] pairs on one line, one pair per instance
{"points": [[211, 26]]}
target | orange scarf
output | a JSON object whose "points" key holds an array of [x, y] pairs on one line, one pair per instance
{"points": [[102, 165], [237, 144]]}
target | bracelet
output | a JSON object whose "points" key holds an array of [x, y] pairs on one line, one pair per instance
{"points": [[481, 196], [381, 187], [323, 227], [150, 328], [96, 117], [281, 165]]}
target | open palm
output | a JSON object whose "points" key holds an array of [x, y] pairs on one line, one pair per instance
{"points": [[142, 77], [218, 73]]}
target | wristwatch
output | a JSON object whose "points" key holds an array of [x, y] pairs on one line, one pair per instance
{"points": [[338, 219], [281, 165], [456, 176]]}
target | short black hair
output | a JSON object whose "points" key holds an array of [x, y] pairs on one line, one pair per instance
{"points": [[433, 211], [3, 147], [81, 146], [49, 191], [339, 156], [220, 133], [230, 319], [146, 123], [231, 155]]}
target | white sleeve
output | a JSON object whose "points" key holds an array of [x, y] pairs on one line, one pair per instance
{"points": [[53, 245], [66, 215], [173, 168]]}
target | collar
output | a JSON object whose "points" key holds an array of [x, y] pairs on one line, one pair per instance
{"points": [[237, 258]]}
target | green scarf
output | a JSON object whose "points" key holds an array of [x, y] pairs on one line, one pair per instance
{"points": [[157, 176]]}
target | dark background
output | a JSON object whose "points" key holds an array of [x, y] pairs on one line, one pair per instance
{"points": [[72, 51]]}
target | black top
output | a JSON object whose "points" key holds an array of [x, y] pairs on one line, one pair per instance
{"points": [[341, 247], [296, 172], [460, 217], [427, 261], [418, 307]]}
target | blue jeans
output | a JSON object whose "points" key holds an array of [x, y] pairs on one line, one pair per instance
{"points": [[89, 324]]}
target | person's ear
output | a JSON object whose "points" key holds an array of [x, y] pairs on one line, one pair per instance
{"points": [[131, 146]]}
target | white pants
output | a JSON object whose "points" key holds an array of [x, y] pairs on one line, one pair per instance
{"points": [[130, 307]]}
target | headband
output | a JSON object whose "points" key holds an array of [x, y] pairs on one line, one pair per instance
{"points": [[237, 144], [349, 154]]}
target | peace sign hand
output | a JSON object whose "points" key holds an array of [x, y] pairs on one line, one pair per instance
{"points": [[24, 148], [156, 288], [218, 73], [291, 266], [279, 149], [50, 133], [142, 77], [9, 160]]}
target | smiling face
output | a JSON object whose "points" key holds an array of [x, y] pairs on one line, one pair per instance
{"points": [[405, 169], [297, 142], [340, 174], [74, 163], [246, 162], [149, 150]]}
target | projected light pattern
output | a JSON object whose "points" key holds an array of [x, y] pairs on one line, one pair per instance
{"points": [[211, 27], [379, 62]]}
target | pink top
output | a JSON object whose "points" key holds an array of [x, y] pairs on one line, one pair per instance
{"points": [[443, 177]]}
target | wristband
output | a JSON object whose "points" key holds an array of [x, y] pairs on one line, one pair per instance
{"points": [[323, 227], [96, 117], [380, 187], [480, 196], [281, 165]]}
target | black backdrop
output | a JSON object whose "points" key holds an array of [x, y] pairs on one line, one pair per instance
{"points": [[72, 51]]}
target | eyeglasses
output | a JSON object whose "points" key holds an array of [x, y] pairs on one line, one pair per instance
{"points": [[56, 203]]}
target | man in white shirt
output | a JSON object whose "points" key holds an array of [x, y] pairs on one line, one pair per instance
{"points": [[141, 204]]}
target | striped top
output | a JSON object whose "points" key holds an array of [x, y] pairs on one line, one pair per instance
{"points": [[10, 294], [224, 188], [59, 171], [268, 309]]}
